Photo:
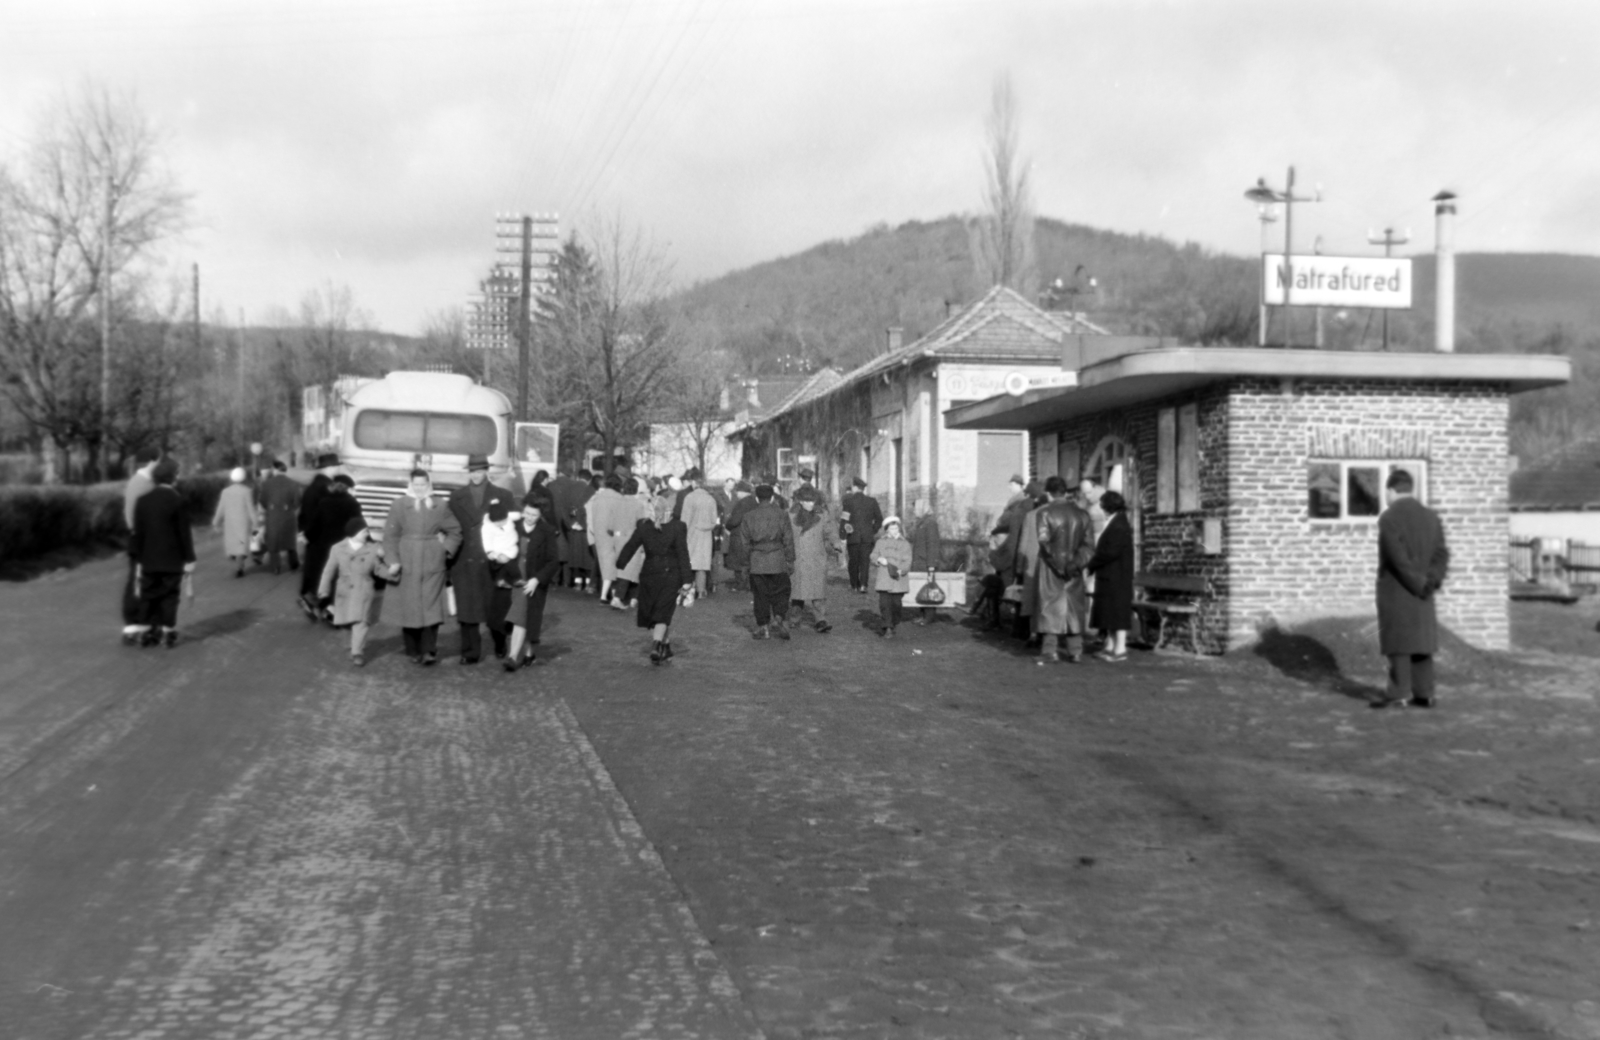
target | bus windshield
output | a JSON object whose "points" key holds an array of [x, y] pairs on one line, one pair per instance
{"points": [[425, 432]]}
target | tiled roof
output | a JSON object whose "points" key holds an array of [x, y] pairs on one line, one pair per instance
{"points": [[820, 382], [1570, 479]]}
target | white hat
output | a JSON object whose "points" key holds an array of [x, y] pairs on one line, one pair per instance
{"points": [[891, 519], [236, 475]]}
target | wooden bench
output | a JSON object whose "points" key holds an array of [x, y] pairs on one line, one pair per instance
{"points": [[1170, 595]]}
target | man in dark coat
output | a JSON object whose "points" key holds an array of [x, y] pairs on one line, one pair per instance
{"points": [[568, 495], [469, 572], [1009, 530], [738, 555], [859, 520], [325, 526], [162, 548], [311, 577], [1112, 568], [280, 506], [1412, 561], [769, 536], [1065, 547]]}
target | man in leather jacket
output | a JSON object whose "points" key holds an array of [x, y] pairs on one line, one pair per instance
{"points": [[1065, 548]]}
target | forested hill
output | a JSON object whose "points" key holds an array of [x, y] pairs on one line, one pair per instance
{"points": [[832, 303]]}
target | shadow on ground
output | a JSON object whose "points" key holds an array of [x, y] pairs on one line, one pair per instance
{"points": [[222, 624], [1308, 659]]}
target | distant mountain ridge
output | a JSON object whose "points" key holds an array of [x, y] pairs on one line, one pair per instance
{"points": [[832, 303]]}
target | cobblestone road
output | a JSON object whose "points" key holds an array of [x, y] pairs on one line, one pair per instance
{"points": [[830, 837]]}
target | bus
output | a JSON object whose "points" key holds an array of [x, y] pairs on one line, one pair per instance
{"points": [[422, 420]]}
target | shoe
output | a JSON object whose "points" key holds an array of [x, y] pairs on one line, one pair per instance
{"points": [[511, 664], [666, 652], [1108, 656], [1062, 658], [150, 637], [239, 573], [760, 632], [466, 659], [357, 660], [1420, 702], [656, 656], [888, 633], [616, 604], [823, 626], [1388, 702], [430, 658], [781, 631], [131, 638], [170, 639]]}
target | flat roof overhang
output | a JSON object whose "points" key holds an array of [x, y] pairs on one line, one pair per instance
{"points": [[1150, 374]]}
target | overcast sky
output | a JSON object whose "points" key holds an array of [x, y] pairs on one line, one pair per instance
{"points": [[372, 143]]}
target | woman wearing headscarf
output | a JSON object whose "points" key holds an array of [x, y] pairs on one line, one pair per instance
{"points": [[236, 516], [814, 540], [925, 550], [664, 576], [1112, 566], [419, 535], [538, 560], [891, 559]]}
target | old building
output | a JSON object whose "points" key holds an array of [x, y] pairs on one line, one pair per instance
{"points": [[1260, 472], [884, 420]]}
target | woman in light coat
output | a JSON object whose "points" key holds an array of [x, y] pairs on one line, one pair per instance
{"points": [[608, 514], [419, 536], [628, 513], [236, 516]]}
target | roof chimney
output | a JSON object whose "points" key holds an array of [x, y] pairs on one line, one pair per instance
{"points": [[895, 333], [1444, 296]]}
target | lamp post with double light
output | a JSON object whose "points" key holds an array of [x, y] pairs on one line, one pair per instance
{"points": [[1263, 194]]}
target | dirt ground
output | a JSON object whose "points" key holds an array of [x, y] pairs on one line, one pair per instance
{"points": [[936, 836]]}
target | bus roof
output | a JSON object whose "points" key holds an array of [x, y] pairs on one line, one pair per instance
{"points": [[431, 392]]}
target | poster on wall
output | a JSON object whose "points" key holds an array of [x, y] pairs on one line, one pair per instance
{"points": [[1046, 460], [535, 446]]}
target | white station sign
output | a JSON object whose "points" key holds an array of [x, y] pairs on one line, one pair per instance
{"points": [[1338, 281]]}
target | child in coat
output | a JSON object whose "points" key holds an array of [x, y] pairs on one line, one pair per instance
{"points": [[891, 554], [349, 580]]}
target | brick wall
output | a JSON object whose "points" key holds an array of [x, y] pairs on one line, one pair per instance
{"points": [[1285, 567], [1278, 566]]}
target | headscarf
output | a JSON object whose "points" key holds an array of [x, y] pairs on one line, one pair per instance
{"points": [[661, 509], [236, 474], [805, 519]]}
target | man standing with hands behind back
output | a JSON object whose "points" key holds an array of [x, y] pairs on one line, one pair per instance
{"points": [[859, 521], [1412, 561]]}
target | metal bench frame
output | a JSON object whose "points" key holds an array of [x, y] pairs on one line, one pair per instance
{"points": [[1185, 590]]}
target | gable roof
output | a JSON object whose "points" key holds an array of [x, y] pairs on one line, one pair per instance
{"points": [[819, 382], [1000, 326], [1567, 480]]}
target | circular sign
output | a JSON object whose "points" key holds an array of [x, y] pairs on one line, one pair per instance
{"points": [[1016, 383]]}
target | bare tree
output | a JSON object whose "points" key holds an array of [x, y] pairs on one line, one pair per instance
{"points": [[1005, 246], [85, 202], [608, 343]]}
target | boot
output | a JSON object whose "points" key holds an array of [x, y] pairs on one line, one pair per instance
{"points": [[656, 654], [780, 629], [666, 652]]}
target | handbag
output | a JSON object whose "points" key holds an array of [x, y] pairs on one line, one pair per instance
{"points": [[930, 595]]}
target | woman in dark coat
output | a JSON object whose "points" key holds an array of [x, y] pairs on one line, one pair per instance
{"points": [[665, 576], [1112, 566], [538, 561]]}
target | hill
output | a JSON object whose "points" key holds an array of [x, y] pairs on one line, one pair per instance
{"points": [[831, 304]]}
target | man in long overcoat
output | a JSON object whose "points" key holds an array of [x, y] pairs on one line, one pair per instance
{"points": [[770, 537], [469, 572], [738, 553], [860, 516], [162, 548], [1065, 548], [1412, 562], [419, 536], [327, 466], [324, 529], [280, 501], [814, 542], [567, 498]]}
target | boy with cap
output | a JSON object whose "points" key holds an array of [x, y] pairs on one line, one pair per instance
{"points": [[349, 583]]}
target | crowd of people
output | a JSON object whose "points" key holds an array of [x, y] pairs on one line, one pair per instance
{"points": [[649, 545]]}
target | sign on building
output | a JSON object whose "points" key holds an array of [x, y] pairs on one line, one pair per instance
{"points": [[1338, 281]]}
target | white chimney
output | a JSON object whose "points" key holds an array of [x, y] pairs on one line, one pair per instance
{"points": [[1444, 297]]}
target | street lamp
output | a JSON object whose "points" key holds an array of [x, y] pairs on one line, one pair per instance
{"points": [[1264, 194], [1267, 212]]}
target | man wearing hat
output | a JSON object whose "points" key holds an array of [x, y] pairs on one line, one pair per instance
{"points": [[469, 573], [808, 478], [859, 520], [280, 501], [738, 554], [327, 465], [770, 536], [324, 529]]}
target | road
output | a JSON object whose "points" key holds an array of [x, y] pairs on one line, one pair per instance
{"points": [[245, 836]]}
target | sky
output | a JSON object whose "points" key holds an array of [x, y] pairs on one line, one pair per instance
{"points": [[372, 144]]}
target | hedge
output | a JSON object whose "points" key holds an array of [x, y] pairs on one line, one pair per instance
{"points": [[38, 520]]}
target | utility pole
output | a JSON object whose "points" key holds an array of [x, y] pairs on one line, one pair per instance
{"points": [[238, 410], [524, 322], [516, 234], [1262, 194], [105, 331], [1388, 241]]}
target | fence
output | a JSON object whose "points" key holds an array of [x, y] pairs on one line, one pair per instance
{"points": [[1535, 561]]}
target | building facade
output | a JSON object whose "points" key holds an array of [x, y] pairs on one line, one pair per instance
{"points": [[1262, 471]]}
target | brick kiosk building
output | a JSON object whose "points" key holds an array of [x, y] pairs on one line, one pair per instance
{"points": [[1262, 471]]}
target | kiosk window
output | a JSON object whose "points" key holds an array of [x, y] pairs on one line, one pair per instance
{"points": [[1339, 490]]}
